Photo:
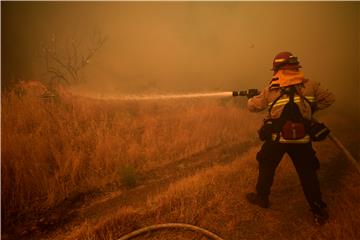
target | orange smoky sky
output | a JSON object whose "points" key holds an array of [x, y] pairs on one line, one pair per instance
{"points": [[190, 46]]}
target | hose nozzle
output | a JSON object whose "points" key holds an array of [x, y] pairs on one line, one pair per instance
{"points": [[247, 93]]}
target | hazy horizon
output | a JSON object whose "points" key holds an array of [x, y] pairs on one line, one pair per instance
{"points": [[189, 46]]}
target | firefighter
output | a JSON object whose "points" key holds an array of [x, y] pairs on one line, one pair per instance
{"points": [[291, 100]]}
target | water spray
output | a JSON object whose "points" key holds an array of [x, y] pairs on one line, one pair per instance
{"points": [[248, 93], [176, 96], [140, 97]]}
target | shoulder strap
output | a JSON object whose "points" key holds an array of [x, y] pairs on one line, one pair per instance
{"points": [[291, 92], [310, 104], [282, 93], [312, 107]]}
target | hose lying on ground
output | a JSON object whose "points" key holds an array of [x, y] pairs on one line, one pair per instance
{"points": [[345, 151], [170, 225]]}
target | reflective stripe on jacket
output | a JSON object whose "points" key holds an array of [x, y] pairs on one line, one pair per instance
{"points": [[305, 139], [319, 97]]}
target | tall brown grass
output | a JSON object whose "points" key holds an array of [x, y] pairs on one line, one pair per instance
{"points": [[53, 149]]}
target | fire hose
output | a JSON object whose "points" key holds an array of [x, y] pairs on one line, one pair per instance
{"points": [[170, 226], [345, 151]]}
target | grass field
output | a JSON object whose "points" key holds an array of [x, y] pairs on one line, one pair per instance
{"points": [[82, 168]]}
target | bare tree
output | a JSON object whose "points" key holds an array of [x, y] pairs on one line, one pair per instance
{"points": [[65, 64]]}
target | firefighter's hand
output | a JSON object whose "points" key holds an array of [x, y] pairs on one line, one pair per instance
{"points": [[252, 93]]}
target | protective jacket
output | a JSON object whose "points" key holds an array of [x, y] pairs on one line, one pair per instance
{"points": [[309, 96]]}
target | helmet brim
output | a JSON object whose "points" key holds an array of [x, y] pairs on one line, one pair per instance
{"points": [[287, 67]]}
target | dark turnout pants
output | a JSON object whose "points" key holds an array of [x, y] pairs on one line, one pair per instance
{"points": [[304, 160]]}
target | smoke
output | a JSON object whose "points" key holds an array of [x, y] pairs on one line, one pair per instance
{"points": [[190, 46]]}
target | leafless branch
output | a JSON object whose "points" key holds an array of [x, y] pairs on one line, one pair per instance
{"points": [[66, 68]]}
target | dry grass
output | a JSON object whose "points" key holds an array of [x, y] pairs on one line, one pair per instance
{"points": [[53, 150]]}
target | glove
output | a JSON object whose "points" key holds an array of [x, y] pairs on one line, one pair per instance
{"points": [[252, 93]]}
